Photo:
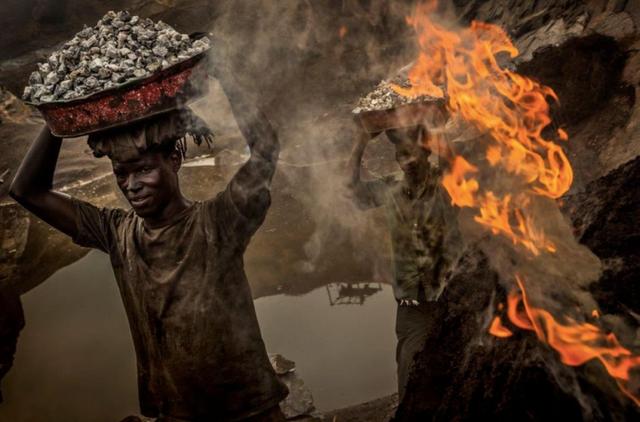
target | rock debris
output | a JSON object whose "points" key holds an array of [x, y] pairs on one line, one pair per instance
{"points": [[118, 49]]}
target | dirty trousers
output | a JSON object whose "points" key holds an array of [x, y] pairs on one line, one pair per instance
{"points": [[414, 325]]}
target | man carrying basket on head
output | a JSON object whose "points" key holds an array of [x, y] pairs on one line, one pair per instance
{"points": [[422, 224], [178, 262]]}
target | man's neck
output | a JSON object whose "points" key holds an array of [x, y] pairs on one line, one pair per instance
{"points": [[174, 208]]}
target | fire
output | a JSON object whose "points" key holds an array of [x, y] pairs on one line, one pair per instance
{"points": [[576, 342], [500, 215], [497, 329], [462, 190], [463, 67], [342, 32]]}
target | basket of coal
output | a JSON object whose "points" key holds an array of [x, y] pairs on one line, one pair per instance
{"points": [[122, 70], [384, 108]]}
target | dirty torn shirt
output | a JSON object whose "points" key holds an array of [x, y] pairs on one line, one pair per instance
{"points": [[424, 235], [200, 355]]}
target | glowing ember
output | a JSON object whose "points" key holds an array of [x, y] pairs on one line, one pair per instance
{"points": [[576, 342], [342, 31]]}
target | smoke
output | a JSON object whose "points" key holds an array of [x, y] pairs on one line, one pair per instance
{"points": [[556, 281], [306, 63], [307, 72]]}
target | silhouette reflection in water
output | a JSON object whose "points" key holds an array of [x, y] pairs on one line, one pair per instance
{"points": [[351, 293]]}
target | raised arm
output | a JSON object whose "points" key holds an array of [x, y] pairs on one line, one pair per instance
{"points": [[250, 186], [32, 186], [368, 194]]}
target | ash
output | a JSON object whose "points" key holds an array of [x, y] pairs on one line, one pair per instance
{"points": [[384, 97], [119, 49]]}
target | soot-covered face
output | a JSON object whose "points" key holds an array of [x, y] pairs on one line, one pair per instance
{"points": [[411, 153], [149, 182]]}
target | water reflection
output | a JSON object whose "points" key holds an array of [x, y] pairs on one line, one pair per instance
{"points": [[345, 354], [75, 359], [30, 251], [351, 293], [47, 381]]}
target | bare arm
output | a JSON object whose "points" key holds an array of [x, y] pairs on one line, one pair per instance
{"points": [[250, 186], [366, 194], [32, 186]]}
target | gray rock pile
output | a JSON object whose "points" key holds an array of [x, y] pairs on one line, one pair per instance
{"points": [[384, 97], [118, 49]]}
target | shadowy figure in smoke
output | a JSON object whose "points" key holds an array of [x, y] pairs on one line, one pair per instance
{"points": [[423, 236]]}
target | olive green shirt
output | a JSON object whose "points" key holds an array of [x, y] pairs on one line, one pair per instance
{"points": [[424, 236]]}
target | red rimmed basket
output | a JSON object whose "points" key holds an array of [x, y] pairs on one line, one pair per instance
{"points": [[136, 100], [403, 116]]}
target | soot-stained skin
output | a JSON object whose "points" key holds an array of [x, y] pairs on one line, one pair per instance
{"points": [[150, 185], [411, 155]]}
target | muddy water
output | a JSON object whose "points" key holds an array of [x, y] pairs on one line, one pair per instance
{"points": [[75, 359], [344, 353]]}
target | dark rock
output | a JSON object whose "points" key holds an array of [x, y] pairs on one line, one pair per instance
{"points": [[616, 25], [379, 410], [606, 219], [11, 323], [584, 72], [464, 374], [520, 17]]}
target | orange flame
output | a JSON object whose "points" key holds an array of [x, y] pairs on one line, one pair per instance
{"points": [[497, 329], [497, 214], [576, 342], [342, 32], [461, 190], [463, 68], [509, 107]]}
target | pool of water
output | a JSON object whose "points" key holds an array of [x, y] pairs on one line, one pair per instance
{"points": [[344, 353], [75, 359]]}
